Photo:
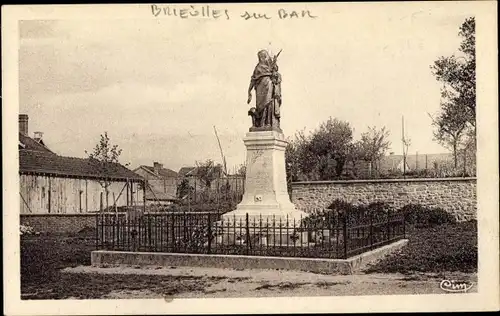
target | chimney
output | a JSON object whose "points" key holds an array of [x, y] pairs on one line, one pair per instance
{"points": [[157, 167], [23, 124], [38, 136]]}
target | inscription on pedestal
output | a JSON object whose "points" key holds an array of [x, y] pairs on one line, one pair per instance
{"points": [[255, 155]]}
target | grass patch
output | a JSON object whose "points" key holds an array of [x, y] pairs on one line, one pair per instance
{"points": [[43, 257], [448, 247], [93, 286]]}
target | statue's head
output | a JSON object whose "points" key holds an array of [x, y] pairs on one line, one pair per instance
{"points": [[263, 55]]}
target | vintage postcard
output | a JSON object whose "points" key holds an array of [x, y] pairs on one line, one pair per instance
{"points": [[250, 158]]}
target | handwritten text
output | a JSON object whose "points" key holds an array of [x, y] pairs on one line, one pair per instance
{"points": [[190, 12], [208, 12], [282, 14]]}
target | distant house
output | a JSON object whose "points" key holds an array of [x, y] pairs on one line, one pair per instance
{"points": [[391, 163], [417, 162], [194, 177], [162, 183], [194, 172], [187, 172], [54, 184], [428, 161]]}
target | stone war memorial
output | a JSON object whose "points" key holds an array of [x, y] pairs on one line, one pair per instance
{"points": [[266, 201], [265, 229]]}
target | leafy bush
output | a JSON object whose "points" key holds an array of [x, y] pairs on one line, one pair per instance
{"points": [[420, 216], [356, 214], [415, 214]]}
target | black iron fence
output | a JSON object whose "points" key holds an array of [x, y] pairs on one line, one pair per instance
{"points": [[334, 235]]}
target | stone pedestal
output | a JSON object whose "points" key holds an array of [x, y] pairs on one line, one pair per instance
{"points": [[265, 199]]}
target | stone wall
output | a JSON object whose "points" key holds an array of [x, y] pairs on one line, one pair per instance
{"points": [[455, 195], [58, 223]]}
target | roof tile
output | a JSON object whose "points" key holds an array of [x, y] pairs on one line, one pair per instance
{"points": [[50, 163]]}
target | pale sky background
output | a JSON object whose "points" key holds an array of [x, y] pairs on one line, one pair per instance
{"points": [[159, 85]]}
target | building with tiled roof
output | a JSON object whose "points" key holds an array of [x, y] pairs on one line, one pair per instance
{"points": [[161, 183], [186, 171], [47, 163], [51, 183], [193, 171], [155, 172]]}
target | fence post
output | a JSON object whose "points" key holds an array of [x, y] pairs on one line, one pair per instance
{"points": [[173, 232], [118, 231], [113, 232], [336, 225], [149, 231], [344, 219], [184, 226], [102, 228], [209, 233], [97, 231], [247, 233]]}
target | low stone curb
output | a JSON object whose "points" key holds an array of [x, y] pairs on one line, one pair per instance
{"points": [[318, 265]]}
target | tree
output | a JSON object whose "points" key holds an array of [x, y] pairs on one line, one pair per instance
{"points": [[324, 153], [458, 74], [296, 157], [329, 146], [467, 154], [105, 160], [450, 128], [321, 154], [242, 170], [458, 94], [208, 171], [354, 155], [183, 189], [373, 145]]}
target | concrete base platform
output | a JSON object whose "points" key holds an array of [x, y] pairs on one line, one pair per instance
{"points": [[317, 265]]}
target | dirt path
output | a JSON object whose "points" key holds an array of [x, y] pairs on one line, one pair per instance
{"points": [[256, 283]]}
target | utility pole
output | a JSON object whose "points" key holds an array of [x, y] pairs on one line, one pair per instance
{"points": [[221, 153], [416, 161], [404, 145]]}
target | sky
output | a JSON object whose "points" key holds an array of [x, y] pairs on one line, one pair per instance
{"points": [[159, 85]]}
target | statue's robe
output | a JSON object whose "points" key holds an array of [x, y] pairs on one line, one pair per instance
{"points": [[264, 89]]}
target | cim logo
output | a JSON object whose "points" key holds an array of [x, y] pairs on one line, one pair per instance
{"points": [[455, 286]]}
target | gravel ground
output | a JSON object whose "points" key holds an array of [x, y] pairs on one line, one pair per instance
{"points": [[255, 283]]}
